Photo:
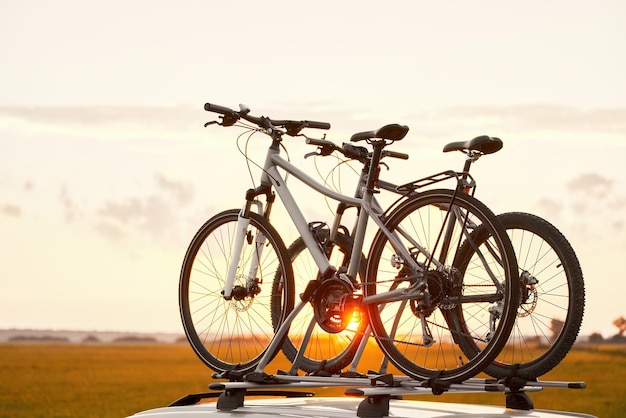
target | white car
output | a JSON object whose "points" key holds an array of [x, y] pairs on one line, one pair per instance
{"points": [[346, 407], [371, 399]]}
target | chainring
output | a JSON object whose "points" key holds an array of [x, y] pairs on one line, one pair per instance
{"points": [[334, 304]]}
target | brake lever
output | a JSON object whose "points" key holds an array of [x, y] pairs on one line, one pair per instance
{"points": [[211, 123]]}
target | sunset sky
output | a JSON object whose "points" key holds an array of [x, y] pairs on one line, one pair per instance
{"points": [[106, 171]]}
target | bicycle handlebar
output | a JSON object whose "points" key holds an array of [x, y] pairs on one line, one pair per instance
{"points": [[350, 151], [293, 127], [210, 107], [393, 154]]}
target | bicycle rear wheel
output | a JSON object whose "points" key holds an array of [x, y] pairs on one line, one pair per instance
{"points": [[325, 352], [422, 335], [234, 334], [552, 298]]}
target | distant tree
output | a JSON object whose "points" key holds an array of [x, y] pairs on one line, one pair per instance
{"points": [[556, 326], [620, 323], [91, 339], [40, 338], [135, 339], [596, 337]]}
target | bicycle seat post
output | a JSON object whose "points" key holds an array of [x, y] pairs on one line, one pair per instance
{"points": [[370, 189], [374, 168]]}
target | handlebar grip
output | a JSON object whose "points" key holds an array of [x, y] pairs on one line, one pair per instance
{"points": [[394, 154], [317, 125], [318, 142], [209, 107]]}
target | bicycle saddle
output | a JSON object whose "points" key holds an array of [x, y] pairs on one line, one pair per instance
{"points": [[483, 144], [392, 132]]}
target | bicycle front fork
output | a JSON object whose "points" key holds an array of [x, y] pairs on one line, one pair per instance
{"points": [[244, 236]]}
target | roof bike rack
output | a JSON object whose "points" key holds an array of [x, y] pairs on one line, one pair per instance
{"points": [[377, 389]]}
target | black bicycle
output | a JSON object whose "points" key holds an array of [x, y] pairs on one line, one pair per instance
{"points": [[551, 282], [552, 291]]}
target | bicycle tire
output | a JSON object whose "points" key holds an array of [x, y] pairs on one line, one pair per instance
{"points": [[232, 335], [463, 305], [325, 352], [551, 311]]}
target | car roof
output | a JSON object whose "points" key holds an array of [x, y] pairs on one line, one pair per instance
{"points": [[344, 407]]}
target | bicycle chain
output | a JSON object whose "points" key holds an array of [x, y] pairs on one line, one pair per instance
{"points": [[441, 306], [462, 334]]}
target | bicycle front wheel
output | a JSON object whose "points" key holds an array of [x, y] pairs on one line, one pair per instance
{"points": [[552, 299], [234, 334], [422, 333]]}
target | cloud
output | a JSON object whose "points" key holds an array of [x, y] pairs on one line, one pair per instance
{"points": [[181, 191], [110, 231], [592, 184], [510, 118], [13, 211], [158, 213], [618, 225], [550, 206], [592, 208], [101, 120], [151, 214], [124, 211], [68, 205], [14, 191], [521, 118], [591, 193]]}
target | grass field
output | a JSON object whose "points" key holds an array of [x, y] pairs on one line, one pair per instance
{"points": [[114, 380]]}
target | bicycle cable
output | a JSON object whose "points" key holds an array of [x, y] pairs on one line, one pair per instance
{"points": [[331, 180], [251, 130]]}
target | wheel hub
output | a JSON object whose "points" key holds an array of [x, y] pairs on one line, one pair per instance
{"points": [[241, 300], [442, 291], [529, 295]]}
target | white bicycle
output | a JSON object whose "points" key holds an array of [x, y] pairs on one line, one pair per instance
{"points": [[431, 314]]}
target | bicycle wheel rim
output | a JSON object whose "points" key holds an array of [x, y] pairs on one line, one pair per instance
{"points": [[551, 307], [400, 330], [232, 334]]}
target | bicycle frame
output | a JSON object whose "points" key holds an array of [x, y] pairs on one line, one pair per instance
{"points": [[421, 284], [367, 206], [465, 184], [271, 178]]}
